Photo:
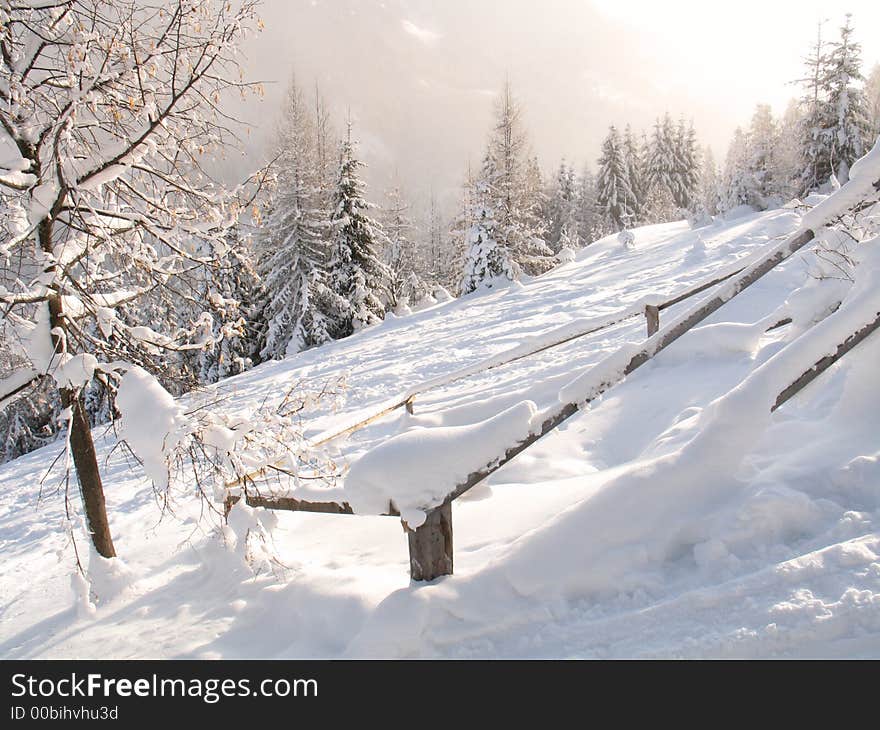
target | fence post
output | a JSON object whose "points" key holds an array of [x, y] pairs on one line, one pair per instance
{"points": [[652, 314], [430, 545]]}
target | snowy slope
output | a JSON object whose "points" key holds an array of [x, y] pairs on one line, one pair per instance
{"points": [[628, 532]]}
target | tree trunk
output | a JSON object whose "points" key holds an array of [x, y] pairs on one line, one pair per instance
{"points": [[82, 447], [85, 459]]}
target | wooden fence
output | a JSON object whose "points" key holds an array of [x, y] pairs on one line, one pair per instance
{"points": [[431, 544]]}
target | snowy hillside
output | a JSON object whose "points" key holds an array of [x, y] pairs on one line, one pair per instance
{"points": [[651, 524]]}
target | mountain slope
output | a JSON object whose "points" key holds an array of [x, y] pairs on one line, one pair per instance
{"points": [[634, 530]]}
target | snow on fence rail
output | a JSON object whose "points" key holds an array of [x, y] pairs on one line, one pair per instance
{"points": [[430, 543]]}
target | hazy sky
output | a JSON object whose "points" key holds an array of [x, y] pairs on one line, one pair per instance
{"points": [[420, 76]]}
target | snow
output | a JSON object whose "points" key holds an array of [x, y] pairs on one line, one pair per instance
{"points": [[566, 255], [419, 468], [75, 371], [12, 383], [152, 422], [16, 179], [675, 517], [863, 184]]}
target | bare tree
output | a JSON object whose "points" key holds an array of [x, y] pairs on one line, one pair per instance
{"points": [[110, 112]]}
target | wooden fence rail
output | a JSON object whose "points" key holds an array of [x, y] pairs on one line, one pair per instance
{"points": [[855, 339]]}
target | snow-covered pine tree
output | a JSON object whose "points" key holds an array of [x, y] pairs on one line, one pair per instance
{"points": [[847, 115], [533, 254], [442, 249], [872, 95], [686, 173], [708, 197], [399, 253], [737, 183], [589, 223], [356, 273], [561, 208], [234, 294], [787, 160], [487, 264], [814, 120], [614, 194], [762, 143], [660, 204], [636, 173], [29, 423], [512, 181], [291, 247]]}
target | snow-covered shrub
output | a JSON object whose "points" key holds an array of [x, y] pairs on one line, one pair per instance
{"points": [[248, 534], [627, 239], [214, 449], [566, 255]]}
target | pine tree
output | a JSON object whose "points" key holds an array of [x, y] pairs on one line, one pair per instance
{"points": [[292, 250], [686, 170], [234, 294], [872, 94], [533, 255], [815, 144], [709, 201], [736, 183], [356, 274], [487, 264], [561, 209], [443, 249], [461, 223], [847, 113], [788, 162], [636, 173], [615, 196], [512, 181], [587, 216], [762, 145], [399, 254], [660, 200]]}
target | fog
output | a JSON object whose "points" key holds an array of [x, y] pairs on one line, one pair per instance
{"points": [[419, 76]]}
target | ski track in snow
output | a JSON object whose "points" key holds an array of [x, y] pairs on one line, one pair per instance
{"points": [[569, 551]]}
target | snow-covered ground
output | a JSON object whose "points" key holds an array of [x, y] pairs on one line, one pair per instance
{"points": [[652, 524]]}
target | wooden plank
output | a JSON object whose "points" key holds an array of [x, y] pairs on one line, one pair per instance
{"points": [[289, 504], [699, 290], [365, 422], [826, 362], [430, 545]]}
